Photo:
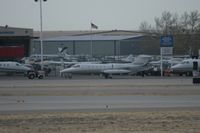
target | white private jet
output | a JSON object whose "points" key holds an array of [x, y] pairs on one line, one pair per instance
{"points": [[109, 69], [166, 62], [185, 67], [11, 67]]}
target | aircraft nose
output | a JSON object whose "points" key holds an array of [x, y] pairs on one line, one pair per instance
{"points": [[62, 71], [27, 68], [65, 70], [174, 67]]}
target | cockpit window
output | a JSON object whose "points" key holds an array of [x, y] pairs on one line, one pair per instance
{"points": [[185, 62], [17, 64], [76, 66]]}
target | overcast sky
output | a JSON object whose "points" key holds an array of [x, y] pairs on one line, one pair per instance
{"points": [[77, 14]]}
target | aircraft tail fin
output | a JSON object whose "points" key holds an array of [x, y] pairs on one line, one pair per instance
{"points": [[142, 59], [62, 50], [129, 58]]}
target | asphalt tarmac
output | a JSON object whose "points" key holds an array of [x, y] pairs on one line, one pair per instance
{"points": [[93, 94], [95, 103]]}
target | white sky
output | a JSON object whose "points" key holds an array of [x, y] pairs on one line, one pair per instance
{"points": [[77, 14]]}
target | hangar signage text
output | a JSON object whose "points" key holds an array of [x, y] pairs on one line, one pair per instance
{"points": [[7, 32], [15, 32]]}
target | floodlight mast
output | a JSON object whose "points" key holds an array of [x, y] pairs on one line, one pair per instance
{"points": [[41, 35]]}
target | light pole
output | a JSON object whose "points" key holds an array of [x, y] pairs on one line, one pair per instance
{"points": [[41, 28]]}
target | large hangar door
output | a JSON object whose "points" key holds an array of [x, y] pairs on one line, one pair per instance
{"points": [[14, 48]]}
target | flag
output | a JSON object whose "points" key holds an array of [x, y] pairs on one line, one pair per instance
{"points": [[94, 26]]}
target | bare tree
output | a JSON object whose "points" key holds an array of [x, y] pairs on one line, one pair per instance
{"points": [[170, 23], [185, 22], [144, 26], [194, 20], [185, 27]]}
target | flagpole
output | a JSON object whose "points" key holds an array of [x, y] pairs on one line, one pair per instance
{"points": [[91, 48], [91, 45]]}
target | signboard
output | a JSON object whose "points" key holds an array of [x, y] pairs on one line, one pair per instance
{"points": [[166, 41], [166, 50], [199, 52]]}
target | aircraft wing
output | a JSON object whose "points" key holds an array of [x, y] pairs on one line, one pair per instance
{"points": [[116, 71]]}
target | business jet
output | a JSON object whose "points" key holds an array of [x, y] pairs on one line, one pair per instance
{"points": [[107, 70], [10, 67], [185, 67], [61, 54], [166, 62]]}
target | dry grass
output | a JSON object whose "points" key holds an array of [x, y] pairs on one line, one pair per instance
{"points": [[103, 122]]}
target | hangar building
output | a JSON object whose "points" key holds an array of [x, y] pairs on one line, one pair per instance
{"points": [[82, 45], [108, 43], [14, 42]]}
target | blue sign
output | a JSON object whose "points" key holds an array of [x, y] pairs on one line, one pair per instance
{"points": [[166, 41]]}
